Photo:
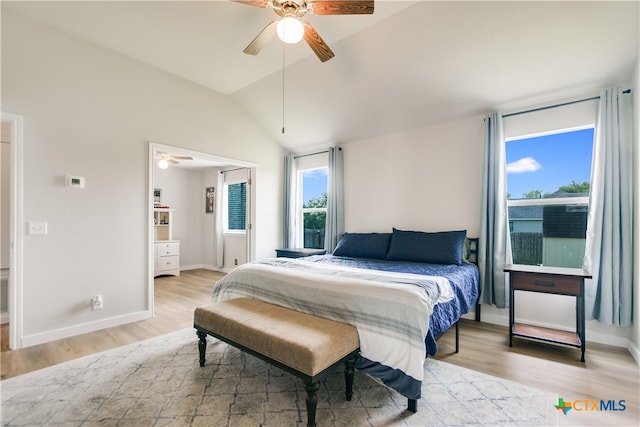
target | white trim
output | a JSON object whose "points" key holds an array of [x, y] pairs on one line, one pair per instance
{"points": [[199, 267], [57, 334], [549, 201], [150, 232], [234, 233], [550, 132], [16, 308], [635, 351]]}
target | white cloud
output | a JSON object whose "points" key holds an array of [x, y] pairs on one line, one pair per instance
{"points": [[526, 164], [315, 173]]}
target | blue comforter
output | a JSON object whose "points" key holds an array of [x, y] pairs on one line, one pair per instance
{"points": [[464, 279]]}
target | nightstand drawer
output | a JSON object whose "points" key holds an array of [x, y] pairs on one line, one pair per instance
{"points": [[165, 249], [547, 283], [168, 263]]}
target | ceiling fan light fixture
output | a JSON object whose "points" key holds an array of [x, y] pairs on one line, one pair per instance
{"points": [[290, 30], [163, 164]]}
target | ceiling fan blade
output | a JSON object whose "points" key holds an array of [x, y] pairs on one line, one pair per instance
{"points": [[182, 157], [256, 3], [261, 39], [341, 7], [316, 43]]}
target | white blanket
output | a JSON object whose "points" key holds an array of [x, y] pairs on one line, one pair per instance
{"points": [[390, 310]]}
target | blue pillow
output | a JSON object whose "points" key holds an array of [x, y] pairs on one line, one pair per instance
{"points": [[445, 247], [363, 245]]}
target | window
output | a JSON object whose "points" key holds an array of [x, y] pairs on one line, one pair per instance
{"points": [[236, 207], [313, 206], [548, 179]]}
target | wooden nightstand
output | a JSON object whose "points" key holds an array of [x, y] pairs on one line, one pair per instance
{"points": [[548, 280], [298, 252]]}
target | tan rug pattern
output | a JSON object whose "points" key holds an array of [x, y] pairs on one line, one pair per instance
{"points": [[159, 382]]}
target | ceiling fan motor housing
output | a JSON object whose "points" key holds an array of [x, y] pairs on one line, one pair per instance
{"points": [[297, 9]]}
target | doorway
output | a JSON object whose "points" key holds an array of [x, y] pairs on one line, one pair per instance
{"points": [[185, 182]]}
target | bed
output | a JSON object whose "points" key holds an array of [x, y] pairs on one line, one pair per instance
{"points": [[401, 290]]}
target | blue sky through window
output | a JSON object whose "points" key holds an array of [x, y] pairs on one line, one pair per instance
{"points": [[548, 162], [314, 184]]}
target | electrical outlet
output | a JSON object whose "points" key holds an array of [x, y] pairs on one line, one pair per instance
{"points": [[96, 302], [235, 261]]}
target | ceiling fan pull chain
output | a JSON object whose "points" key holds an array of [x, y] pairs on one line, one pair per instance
{"points": [[283, 47]]}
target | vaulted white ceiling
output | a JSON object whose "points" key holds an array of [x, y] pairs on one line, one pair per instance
{"points": [[409, 65]]}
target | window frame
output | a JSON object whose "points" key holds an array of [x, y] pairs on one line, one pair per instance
{"points": [[225, 208], [549, 201], [300, 210]]}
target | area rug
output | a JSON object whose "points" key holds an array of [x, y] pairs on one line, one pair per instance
{"points": [[159, 382]]}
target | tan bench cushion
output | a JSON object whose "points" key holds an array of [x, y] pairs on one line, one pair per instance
{"points": [[301, 341]]}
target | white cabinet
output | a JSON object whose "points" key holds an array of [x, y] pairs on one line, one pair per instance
{"points": [[167, 258], [166, 251]]}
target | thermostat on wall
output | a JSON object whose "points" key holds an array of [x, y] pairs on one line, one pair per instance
{"points": [[74, 181]]}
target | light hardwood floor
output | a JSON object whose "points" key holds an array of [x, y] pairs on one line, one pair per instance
{"points": [[608, 374]]}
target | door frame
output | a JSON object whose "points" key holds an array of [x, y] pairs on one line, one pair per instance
{"points": [[223, 162], [16, 232]]}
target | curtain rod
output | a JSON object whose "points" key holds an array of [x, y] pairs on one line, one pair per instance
{"points": [[232, 170], [313, 154], [310, 154], [548, 107]]}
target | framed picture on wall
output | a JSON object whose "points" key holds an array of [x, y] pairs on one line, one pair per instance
{"points": [[209, 199], [157, 197]]}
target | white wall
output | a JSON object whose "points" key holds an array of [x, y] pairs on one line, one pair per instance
{"points": [[429, 180], [90, 112]]}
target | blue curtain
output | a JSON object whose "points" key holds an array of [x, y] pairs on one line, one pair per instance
{"points": [[289, 217], [495, 248], [335, 200], [609, 250]]}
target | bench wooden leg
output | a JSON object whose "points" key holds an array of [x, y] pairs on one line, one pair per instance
{"points": [[348, 378], [312, 402], [412, 405], [202, 346]]}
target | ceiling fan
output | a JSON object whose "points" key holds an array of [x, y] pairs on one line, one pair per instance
{"points": [[165, 159], [291, 24]]}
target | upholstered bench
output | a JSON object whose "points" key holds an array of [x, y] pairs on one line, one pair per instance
{"points": [[301, 344]]}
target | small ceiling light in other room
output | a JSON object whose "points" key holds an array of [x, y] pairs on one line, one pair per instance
{"points": [[163, 164], [290, 30]]}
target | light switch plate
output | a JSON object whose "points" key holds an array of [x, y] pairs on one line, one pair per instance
{"points": [[36, 227]]}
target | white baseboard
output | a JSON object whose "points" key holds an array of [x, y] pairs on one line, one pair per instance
{"points": [[635, 351], [57, 334], [200, 266], [4, 317]]}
